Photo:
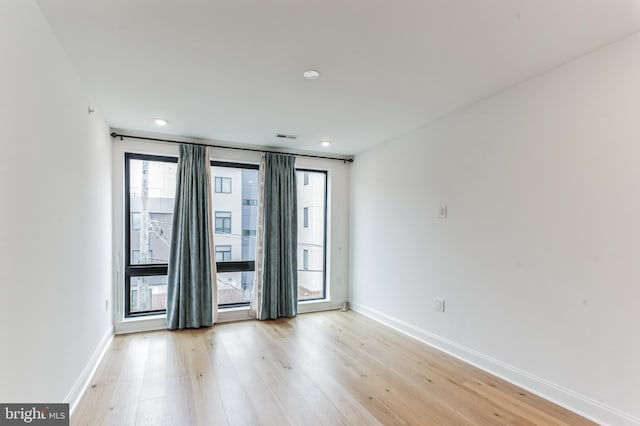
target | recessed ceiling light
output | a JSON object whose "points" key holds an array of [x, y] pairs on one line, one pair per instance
{"points": [[311, 74], [160, 121], [325, 143]]}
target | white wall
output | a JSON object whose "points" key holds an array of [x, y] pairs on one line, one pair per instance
{"points": [[539, 258], [55, 219], [337, 239]]}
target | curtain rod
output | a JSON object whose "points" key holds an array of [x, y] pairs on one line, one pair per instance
{"points": [[122, 136]]}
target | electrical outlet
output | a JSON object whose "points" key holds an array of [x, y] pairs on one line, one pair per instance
{"points": [[438, 304], [441, 212]]}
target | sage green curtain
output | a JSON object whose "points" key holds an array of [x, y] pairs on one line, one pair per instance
{"points": [[279, 271], [189, 290]]}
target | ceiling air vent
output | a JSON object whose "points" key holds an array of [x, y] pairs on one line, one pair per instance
{"points": [[283, 136]]}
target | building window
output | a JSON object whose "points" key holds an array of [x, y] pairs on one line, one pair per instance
{"points": [[248, 232], [246, 202], [223, 185], [149, 197], [223, 253], [312, 241], [306, 178], [223, 222]]}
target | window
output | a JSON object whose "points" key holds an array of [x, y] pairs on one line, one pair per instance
{"points": [[236, 264], [149, 199], [223, 185], [312, 224], [150, 184], [223, 222], [223, 253]]}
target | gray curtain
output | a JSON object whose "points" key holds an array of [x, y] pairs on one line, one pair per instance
{"points": [[189, 293], [279, 272]]}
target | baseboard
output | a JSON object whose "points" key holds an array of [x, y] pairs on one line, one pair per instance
{"points": [[580, 404], [81, 384]]}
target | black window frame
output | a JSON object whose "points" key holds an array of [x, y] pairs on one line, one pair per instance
{"points": [[133, 270], [236, 265], [324, 239], [137, 270]]}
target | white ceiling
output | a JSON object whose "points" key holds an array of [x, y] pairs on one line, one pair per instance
{"points": [[231, 70]]}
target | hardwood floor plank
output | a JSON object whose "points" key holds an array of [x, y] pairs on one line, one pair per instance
{"points": [[328, 368]]}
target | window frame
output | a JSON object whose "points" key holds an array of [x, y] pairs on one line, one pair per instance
{"points": [[137, 270], [324, 239], [237, 265]]}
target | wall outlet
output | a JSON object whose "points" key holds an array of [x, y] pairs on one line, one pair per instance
{"points": [[438, 304], [442, 212]]}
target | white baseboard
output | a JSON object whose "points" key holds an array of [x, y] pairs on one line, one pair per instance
{"points": [[81, 384], [580, 404]]}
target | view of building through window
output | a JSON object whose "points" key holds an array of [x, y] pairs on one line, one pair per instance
{"points": [[312, 188], [152, 186], [235, 231], [151, 191]]}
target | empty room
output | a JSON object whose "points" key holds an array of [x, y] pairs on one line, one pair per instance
{"points": [[260, 212]]}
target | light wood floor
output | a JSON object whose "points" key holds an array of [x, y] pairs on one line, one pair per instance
{"points": [[327, 368]]}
